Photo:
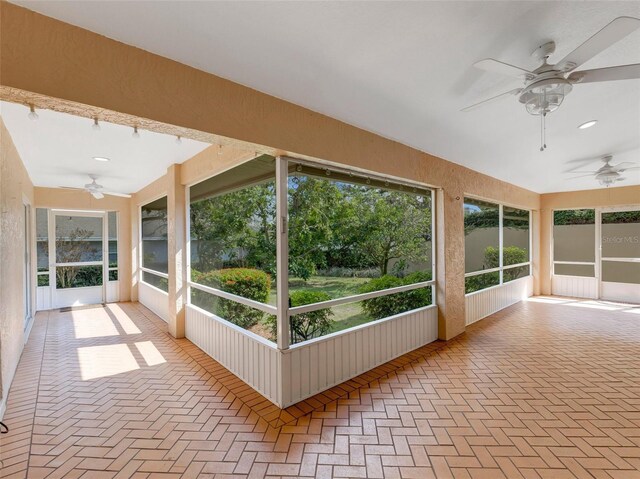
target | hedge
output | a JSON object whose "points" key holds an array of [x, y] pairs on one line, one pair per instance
{"points": [[248, 283], [390, 305], [309, 325]]}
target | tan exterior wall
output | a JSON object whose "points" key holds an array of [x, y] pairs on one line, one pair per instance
{"points": [[599, 198], [70, 65], [80, 200], [15, 188]]}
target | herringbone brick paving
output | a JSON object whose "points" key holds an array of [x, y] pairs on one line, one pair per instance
{"points": [[544, 389]]}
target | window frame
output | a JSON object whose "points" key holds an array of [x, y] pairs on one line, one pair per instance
{"points": [[282, 309], [501, 268], [595, 263], [142, 268]]}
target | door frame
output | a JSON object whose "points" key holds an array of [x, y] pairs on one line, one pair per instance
{"points": [[27, 263], [599, 258], [53, 264]]}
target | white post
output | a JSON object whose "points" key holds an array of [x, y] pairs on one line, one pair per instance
{"points": [[282, 252]]}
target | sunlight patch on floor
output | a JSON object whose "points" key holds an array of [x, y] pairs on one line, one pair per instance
{"points": [[108, 360], [93, 324], [150, 353], [587, 303], [126, 323]]}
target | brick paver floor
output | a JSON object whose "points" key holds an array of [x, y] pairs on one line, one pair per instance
{"points": [[549, 388]]}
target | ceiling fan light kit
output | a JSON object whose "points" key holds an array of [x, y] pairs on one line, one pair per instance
{"points": [[547, 86]]}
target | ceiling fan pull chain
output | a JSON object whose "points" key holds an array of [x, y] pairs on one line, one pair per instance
{"points": [[544, 127], [541, 133]]}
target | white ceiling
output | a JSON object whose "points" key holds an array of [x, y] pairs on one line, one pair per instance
{"points": [[58, 149], [403, 70]]}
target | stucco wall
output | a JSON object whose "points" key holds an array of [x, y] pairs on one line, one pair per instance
{"points": [[15, 185]]}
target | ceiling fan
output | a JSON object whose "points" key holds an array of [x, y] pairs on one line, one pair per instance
{"points": [[95, 189], [546, 86], [608, 174]]}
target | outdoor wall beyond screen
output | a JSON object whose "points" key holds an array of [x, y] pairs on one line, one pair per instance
{"points": [[359, 248], [154, 263], [497, 244]]}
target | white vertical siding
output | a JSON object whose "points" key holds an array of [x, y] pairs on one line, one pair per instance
{"points": [[113, 291], [253, 359], [322, 363], [488, 301], [154, 299], [574, 286], [43, 298]]}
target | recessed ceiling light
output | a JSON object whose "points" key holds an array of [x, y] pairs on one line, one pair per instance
{"points": [[101, 158], [588, 124]]}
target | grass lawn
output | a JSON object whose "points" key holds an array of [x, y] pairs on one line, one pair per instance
{"points": [[345, 315]]}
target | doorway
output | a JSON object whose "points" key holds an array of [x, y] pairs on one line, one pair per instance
{"points": [[27, 275], [79, 266], [620, 254]]}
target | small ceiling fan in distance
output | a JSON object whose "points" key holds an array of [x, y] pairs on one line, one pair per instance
{"points": [[96, 190], [546, 86], [608, 174]]}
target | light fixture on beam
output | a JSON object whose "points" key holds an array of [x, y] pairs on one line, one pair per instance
{"points": [[135, 133], [96, 125], [32, 113]]}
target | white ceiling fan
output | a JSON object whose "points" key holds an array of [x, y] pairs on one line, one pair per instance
{"points": [[546, 86], [608, 174], [95, 189]]}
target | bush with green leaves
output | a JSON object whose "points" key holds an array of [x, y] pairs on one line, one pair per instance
{"points": [[385, 306], [309, 325], [248, 283], [511, 255]]}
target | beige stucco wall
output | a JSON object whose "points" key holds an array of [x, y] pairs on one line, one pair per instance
{"points": [[598, 198], [80, 200], [15, 188]]}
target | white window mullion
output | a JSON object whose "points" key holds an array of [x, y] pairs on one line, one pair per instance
{"points": [[282, 253]]}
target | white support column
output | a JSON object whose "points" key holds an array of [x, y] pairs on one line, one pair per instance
{"points": [[282, 252], [176, 251]]}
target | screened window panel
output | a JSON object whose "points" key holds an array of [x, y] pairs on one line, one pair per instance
{"points": [[153, 230], [584, 270], [515, 236], [621, 234], [574, 236], [481, 235]]}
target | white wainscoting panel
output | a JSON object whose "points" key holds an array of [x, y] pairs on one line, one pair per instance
{"points": [[488, 301], [155, 299], [43, 298], [113, 291], [574, 286], [319, 364], [253, 359]]}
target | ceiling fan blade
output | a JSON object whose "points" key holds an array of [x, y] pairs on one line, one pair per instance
{"points": [[511, 92], [582, 176], [633, 168], [496, 66], [70, 188], [610, 34], [111, 193], [622, 72], [97, 195], [583, 172]]}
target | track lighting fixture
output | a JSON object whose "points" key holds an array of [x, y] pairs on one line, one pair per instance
{"points": [[32, 113]]}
